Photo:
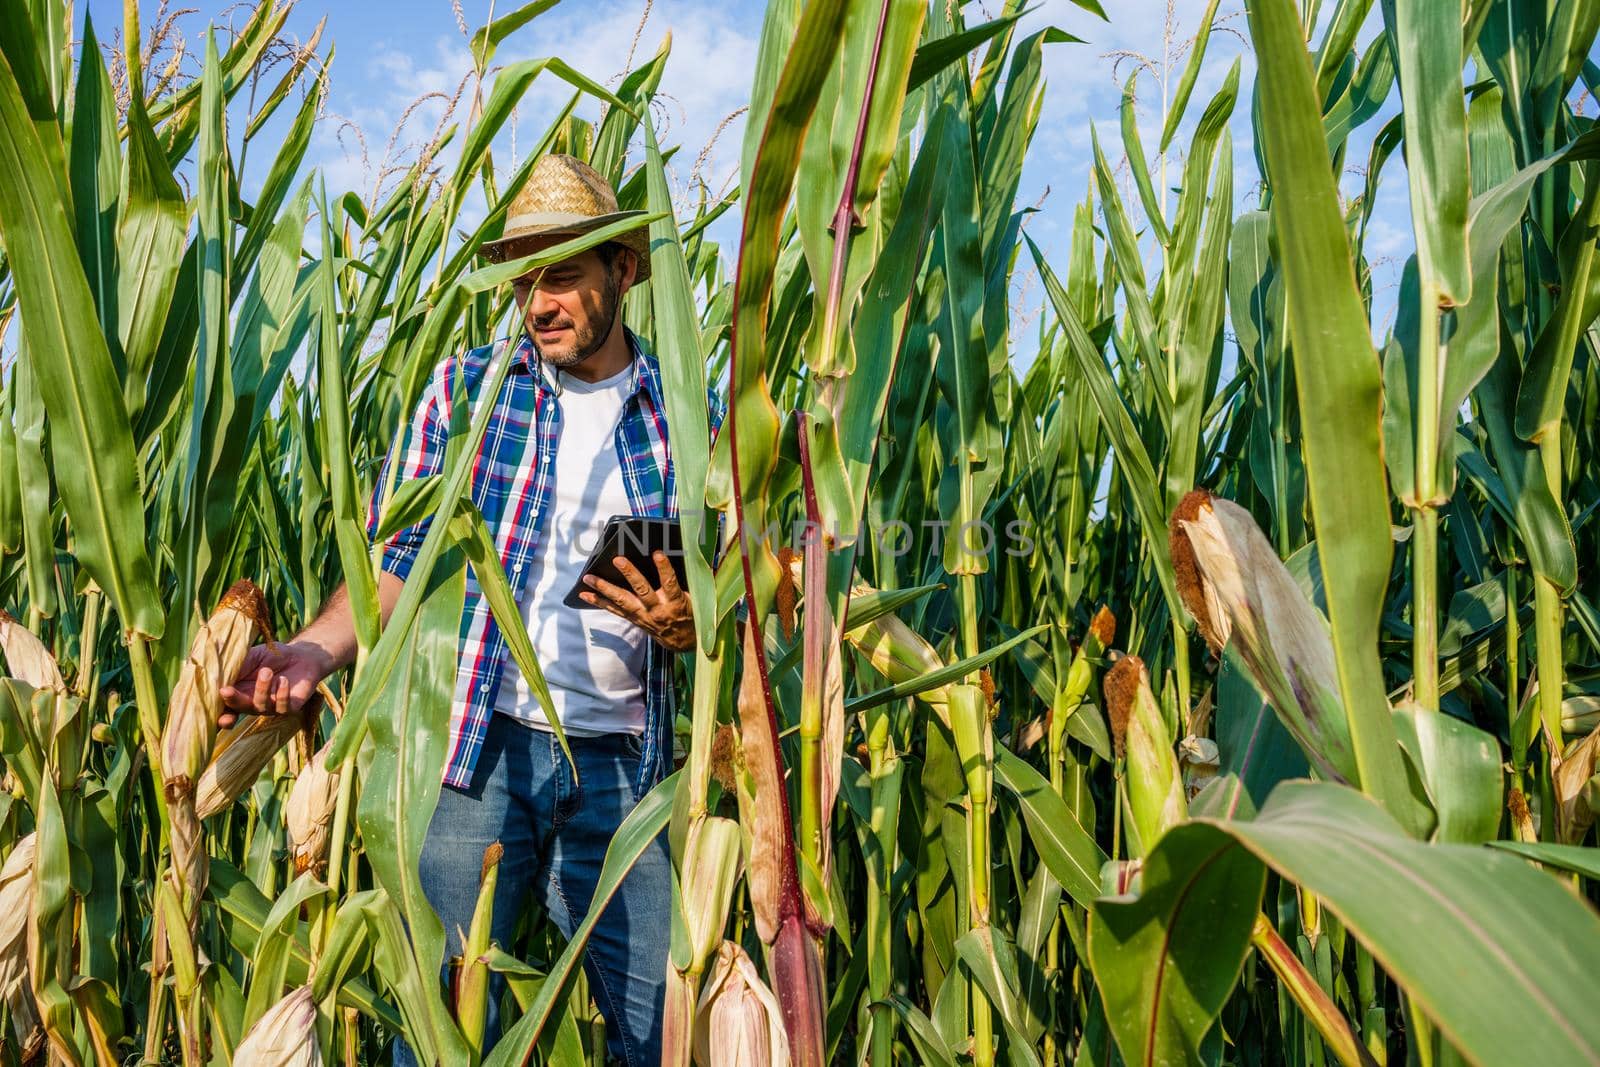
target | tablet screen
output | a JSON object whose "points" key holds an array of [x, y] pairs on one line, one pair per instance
{"points": [[636, 539]]}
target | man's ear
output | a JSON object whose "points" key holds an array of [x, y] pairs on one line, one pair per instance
{"points": [[629, 264]]}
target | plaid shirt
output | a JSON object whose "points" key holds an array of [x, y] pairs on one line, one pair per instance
{"points": [[511, 485]]}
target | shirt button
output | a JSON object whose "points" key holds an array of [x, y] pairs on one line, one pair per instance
{"points": [[516, 568], [484, 688]]}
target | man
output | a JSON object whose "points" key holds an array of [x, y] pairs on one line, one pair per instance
{"points": [[578, 434]]}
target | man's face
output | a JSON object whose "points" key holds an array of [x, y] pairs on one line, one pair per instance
{"points": [[570, 307]]}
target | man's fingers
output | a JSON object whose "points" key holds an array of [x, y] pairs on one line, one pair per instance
{"points": [[668, 577], [615, 600], [263, 690], [301, 692], [280, 696], [641, 585], [624, 599], [229, 690]]}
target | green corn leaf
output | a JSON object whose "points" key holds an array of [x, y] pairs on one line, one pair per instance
{"points": [[92, 166], [409, 723], [941, 677], [991, 960], [1064, 846], [472, 534], [1191, 72], [244, 911], [1133, 148], [150, 243], [270, 957], [1574, 858], [10, 478], [384, 658], [1459, 766], [937, 53], [33, 485], [1492, 950], [97, 470], [683, 373], [1541, 399], [1139, 475], [1425, 37], [1339, 390], [1167, 959], [349, 529], [488, 38]]}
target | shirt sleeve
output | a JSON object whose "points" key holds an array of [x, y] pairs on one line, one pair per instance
{"points": [[419, 452]]}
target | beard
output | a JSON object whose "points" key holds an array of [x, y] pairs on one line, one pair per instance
{"points": [[586, 339]]}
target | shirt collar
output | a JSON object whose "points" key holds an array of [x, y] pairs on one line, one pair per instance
{"points": [[646, 369]]}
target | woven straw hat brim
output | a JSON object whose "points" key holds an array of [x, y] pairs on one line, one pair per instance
{"points": [[571, 224]]}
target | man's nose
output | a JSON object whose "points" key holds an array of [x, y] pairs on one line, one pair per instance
{"points": [[540, 304]]}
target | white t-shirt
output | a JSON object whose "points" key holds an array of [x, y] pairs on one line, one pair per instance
{"points": [[592, 659]]}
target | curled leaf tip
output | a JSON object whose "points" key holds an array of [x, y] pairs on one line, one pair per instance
{"points": [[1121, 688]]}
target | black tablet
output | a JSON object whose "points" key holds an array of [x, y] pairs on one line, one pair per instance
{"points": [[634, 538]]}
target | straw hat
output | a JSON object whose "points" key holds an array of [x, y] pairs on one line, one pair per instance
{"points": [[564, 196]]}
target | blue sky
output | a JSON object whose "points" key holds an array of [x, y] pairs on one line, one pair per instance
{"points": [[406, 59]]}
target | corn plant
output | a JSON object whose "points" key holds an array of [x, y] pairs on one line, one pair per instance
{"points": [[1202, 672]]}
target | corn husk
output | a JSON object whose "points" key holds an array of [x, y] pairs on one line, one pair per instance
{"points": [[712, 862], [896, 651], [26, 657], [215, 656], [1155, 786], [472, 981], [16, 901], [242, 750], [308, 815], [16, 907], [761, 799], [1156, 800], [285, 1036], [1247, 603], [1570, 775], [739, 1023], [1580, 714], [1199, 759]]}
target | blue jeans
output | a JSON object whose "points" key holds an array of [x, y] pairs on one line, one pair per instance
{"points": [[555, 832]]}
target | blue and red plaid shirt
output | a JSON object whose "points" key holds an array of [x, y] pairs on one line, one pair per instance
{"points": [[511, 486]]}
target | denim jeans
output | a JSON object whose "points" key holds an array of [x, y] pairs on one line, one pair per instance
{"points": [[555, 832]]}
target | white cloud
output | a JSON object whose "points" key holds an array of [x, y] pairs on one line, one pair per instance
{"points": [[706, 80]]}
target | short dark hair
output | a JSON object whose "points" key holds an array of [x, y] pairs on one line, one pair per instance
{"points": [[609, 251]]}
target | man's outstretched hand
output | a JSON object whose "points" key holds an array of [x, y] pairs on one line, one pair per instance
{"points": [[275, 680], [664, 612]]}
